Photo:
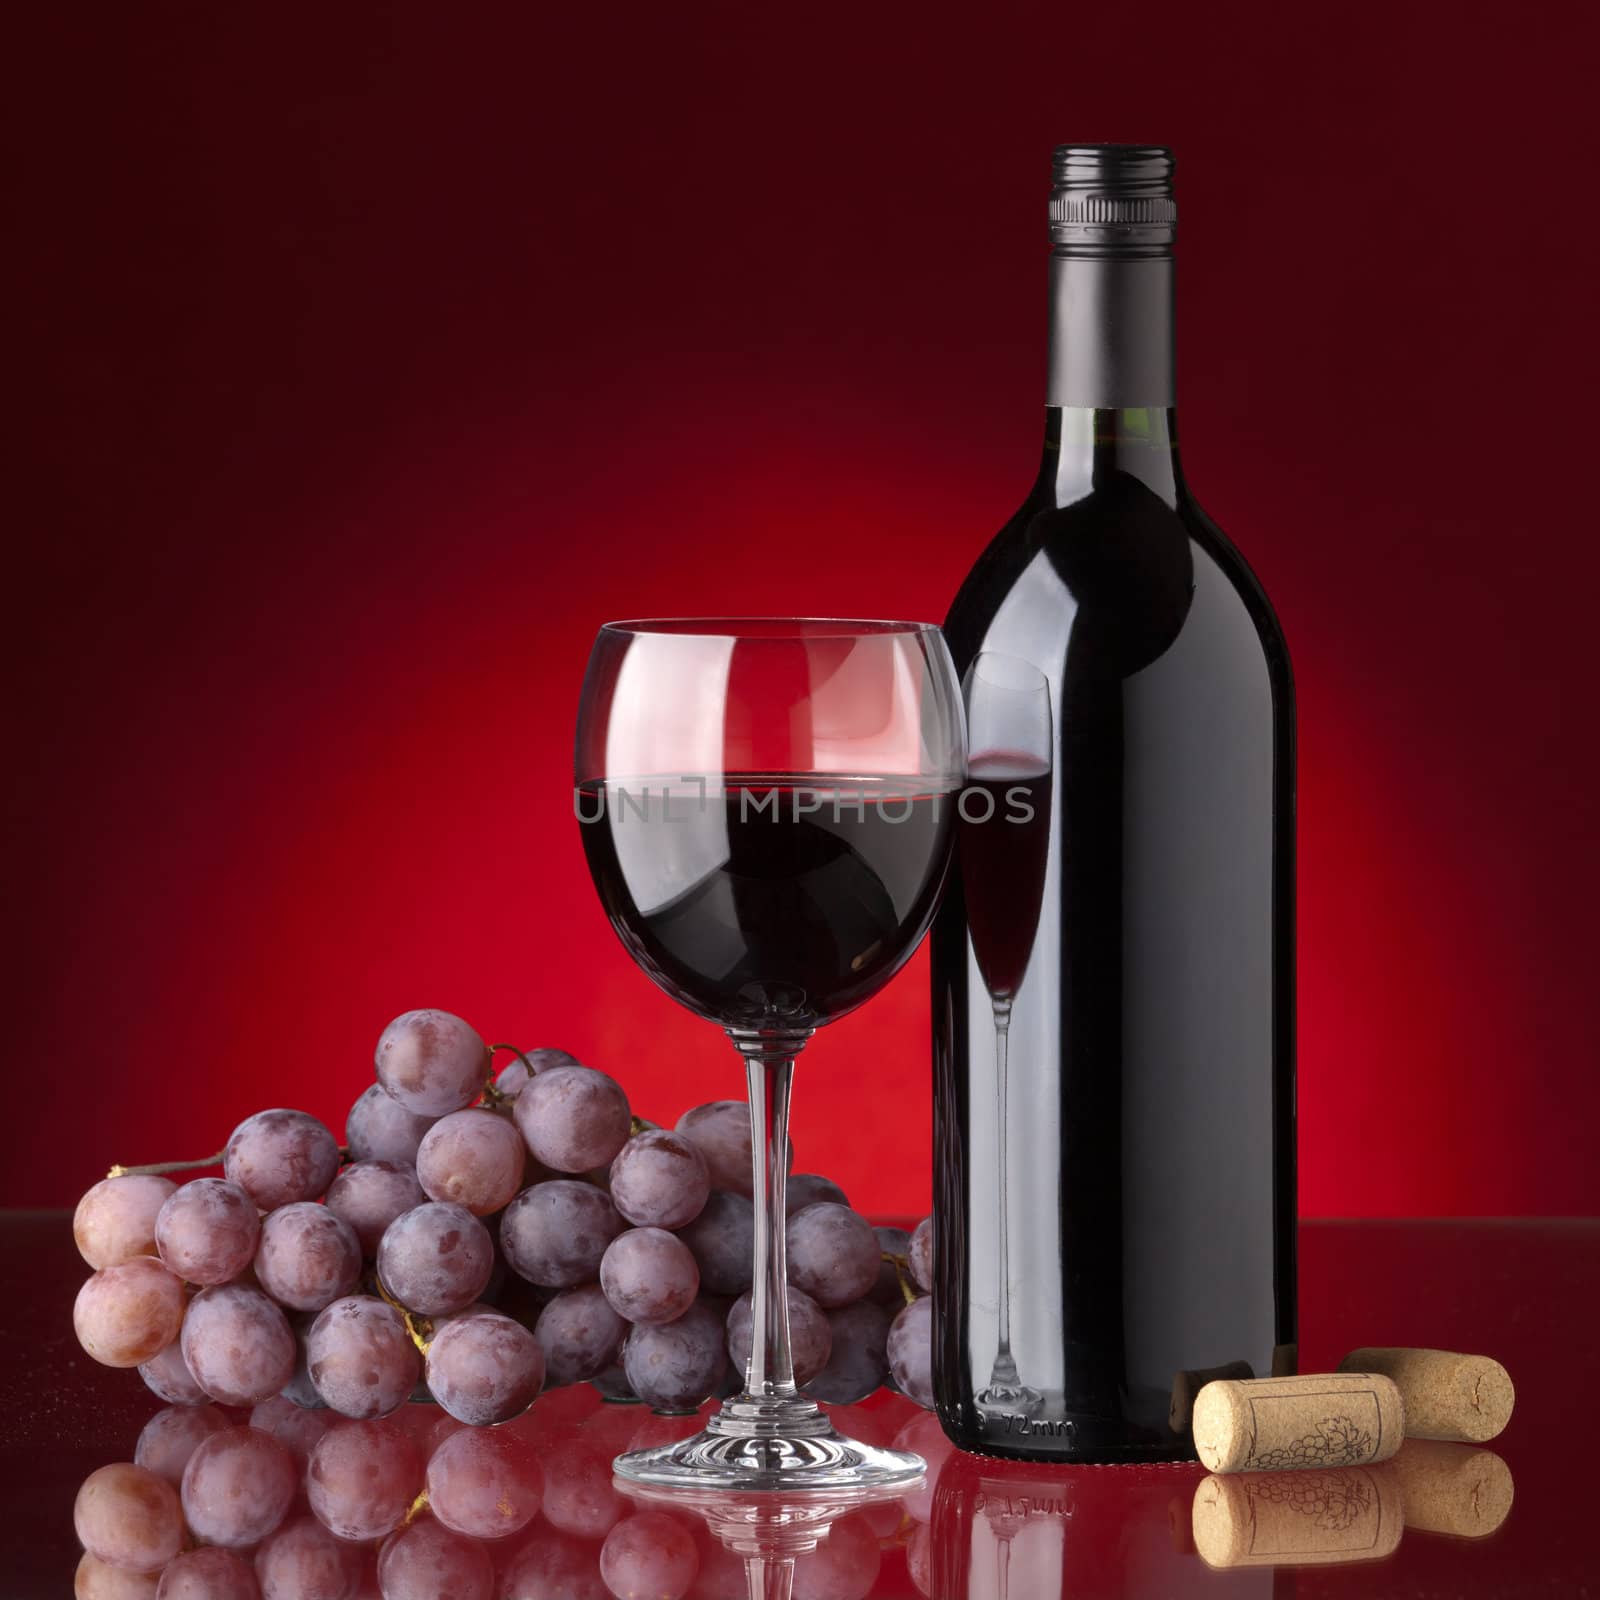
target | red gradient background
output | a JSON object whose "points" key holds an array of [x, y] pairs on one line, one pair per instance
{"points": [[370, 357]]}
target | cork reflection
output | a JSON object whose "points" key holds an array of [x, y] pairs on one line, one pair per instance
{"points": [[1341, 1515]]}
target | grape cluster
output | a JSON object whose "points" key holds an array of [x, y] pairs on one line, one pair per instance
{"points": [[417, 1506], [478, 1239]]}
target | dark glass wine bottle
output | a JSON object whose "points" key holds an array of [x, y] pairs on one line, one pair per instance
{"points": [[1115, 1134]]}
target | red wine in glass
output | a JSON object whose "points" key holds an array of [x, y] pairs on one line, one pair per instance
{"points": [[749, 895], [1004, 846]]}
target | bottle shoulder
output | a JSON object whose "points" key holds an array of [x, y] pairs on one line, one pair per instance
{"points": [[1120, 556], [1209, 537]]}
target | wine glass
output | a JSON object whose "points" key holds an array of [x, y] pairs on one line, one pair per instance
{"points": [[1005, 846], [767, 806]]}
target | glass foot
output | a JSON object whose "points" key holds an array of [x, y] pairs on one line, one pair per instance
{"points": [[789, 1447], [1010, 1399]]}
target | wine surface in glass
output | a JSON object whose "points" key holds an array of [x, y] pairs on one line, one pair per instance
{"points": [[754, 898]]}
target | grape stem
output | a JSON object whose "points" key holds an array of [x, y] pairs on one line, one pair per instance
{"points": [[491, 1095], [902, 1270], [159, 1169], [419, 1328], [418, 1506]]}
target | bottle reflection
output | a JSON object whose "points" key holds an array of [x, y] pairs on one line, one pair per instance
{"points": [[1025, 1531]]}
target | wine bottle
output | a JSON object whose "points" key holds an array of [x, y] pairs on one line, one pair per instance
{"points": [[1114, 1129]]}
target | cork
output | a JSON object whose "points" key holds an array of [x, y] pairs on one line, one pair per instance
{"points": [[1447, 1396], [1456, 1489], [1273, 1424], [1188, 1384], [1274, 1519]]}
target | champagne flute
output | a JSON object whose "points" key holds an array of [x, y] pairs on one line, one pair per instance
{"points": [[767, 806], [1004, 849]]}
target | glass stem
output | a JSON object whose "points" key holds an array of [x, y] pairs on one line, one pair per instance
{"points": [[771, 1371], [1005, 1367], [768, 1578]]}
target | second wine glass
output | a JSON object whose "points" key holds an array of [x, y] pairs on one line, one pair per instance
{"points": [[1005, 848]]}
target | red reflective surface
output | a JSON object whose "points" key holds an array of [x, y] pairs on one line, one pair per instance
{"points": [[1525, 1292]]}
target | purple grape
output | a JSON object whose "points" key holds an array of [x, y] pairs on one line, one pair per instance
{"points": [[361, 1358], [649, 1275], [920, 1252], [833, 1253], [720, 1130], [237, 1487], [238, 1345], [551, 1565], [858, 1360], [919, 1558], [573, 1118], [167, 1375], [303, 1561], [649, 1556], [207, 1231], [887, 1292], [580, 1334], [172, 1435], [513, 1078], [803, 1189], [472, 1158], [293, 1426], [436, 1258], [308, 1256], [363, 1478], [280, 1157], [97, 1580], [580, 1496], [484, 1483], [209, 1574], [659, 1180], [128, 1517], [127, 1315], [723, 1241], [676, 1365], [810, 1337], [300, 1389], [379, 1128], [116, 1220], [426, 1561], [484, 1369], [369, 1195], [844, 1566], [556, 1233], [910, 1350], [433, 1063], [612, 1384]]}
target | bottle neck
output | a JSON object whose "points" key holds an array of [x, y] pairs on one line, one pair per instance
{"points": [[1111, 332], [1084, 445], [1111, 390]]}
